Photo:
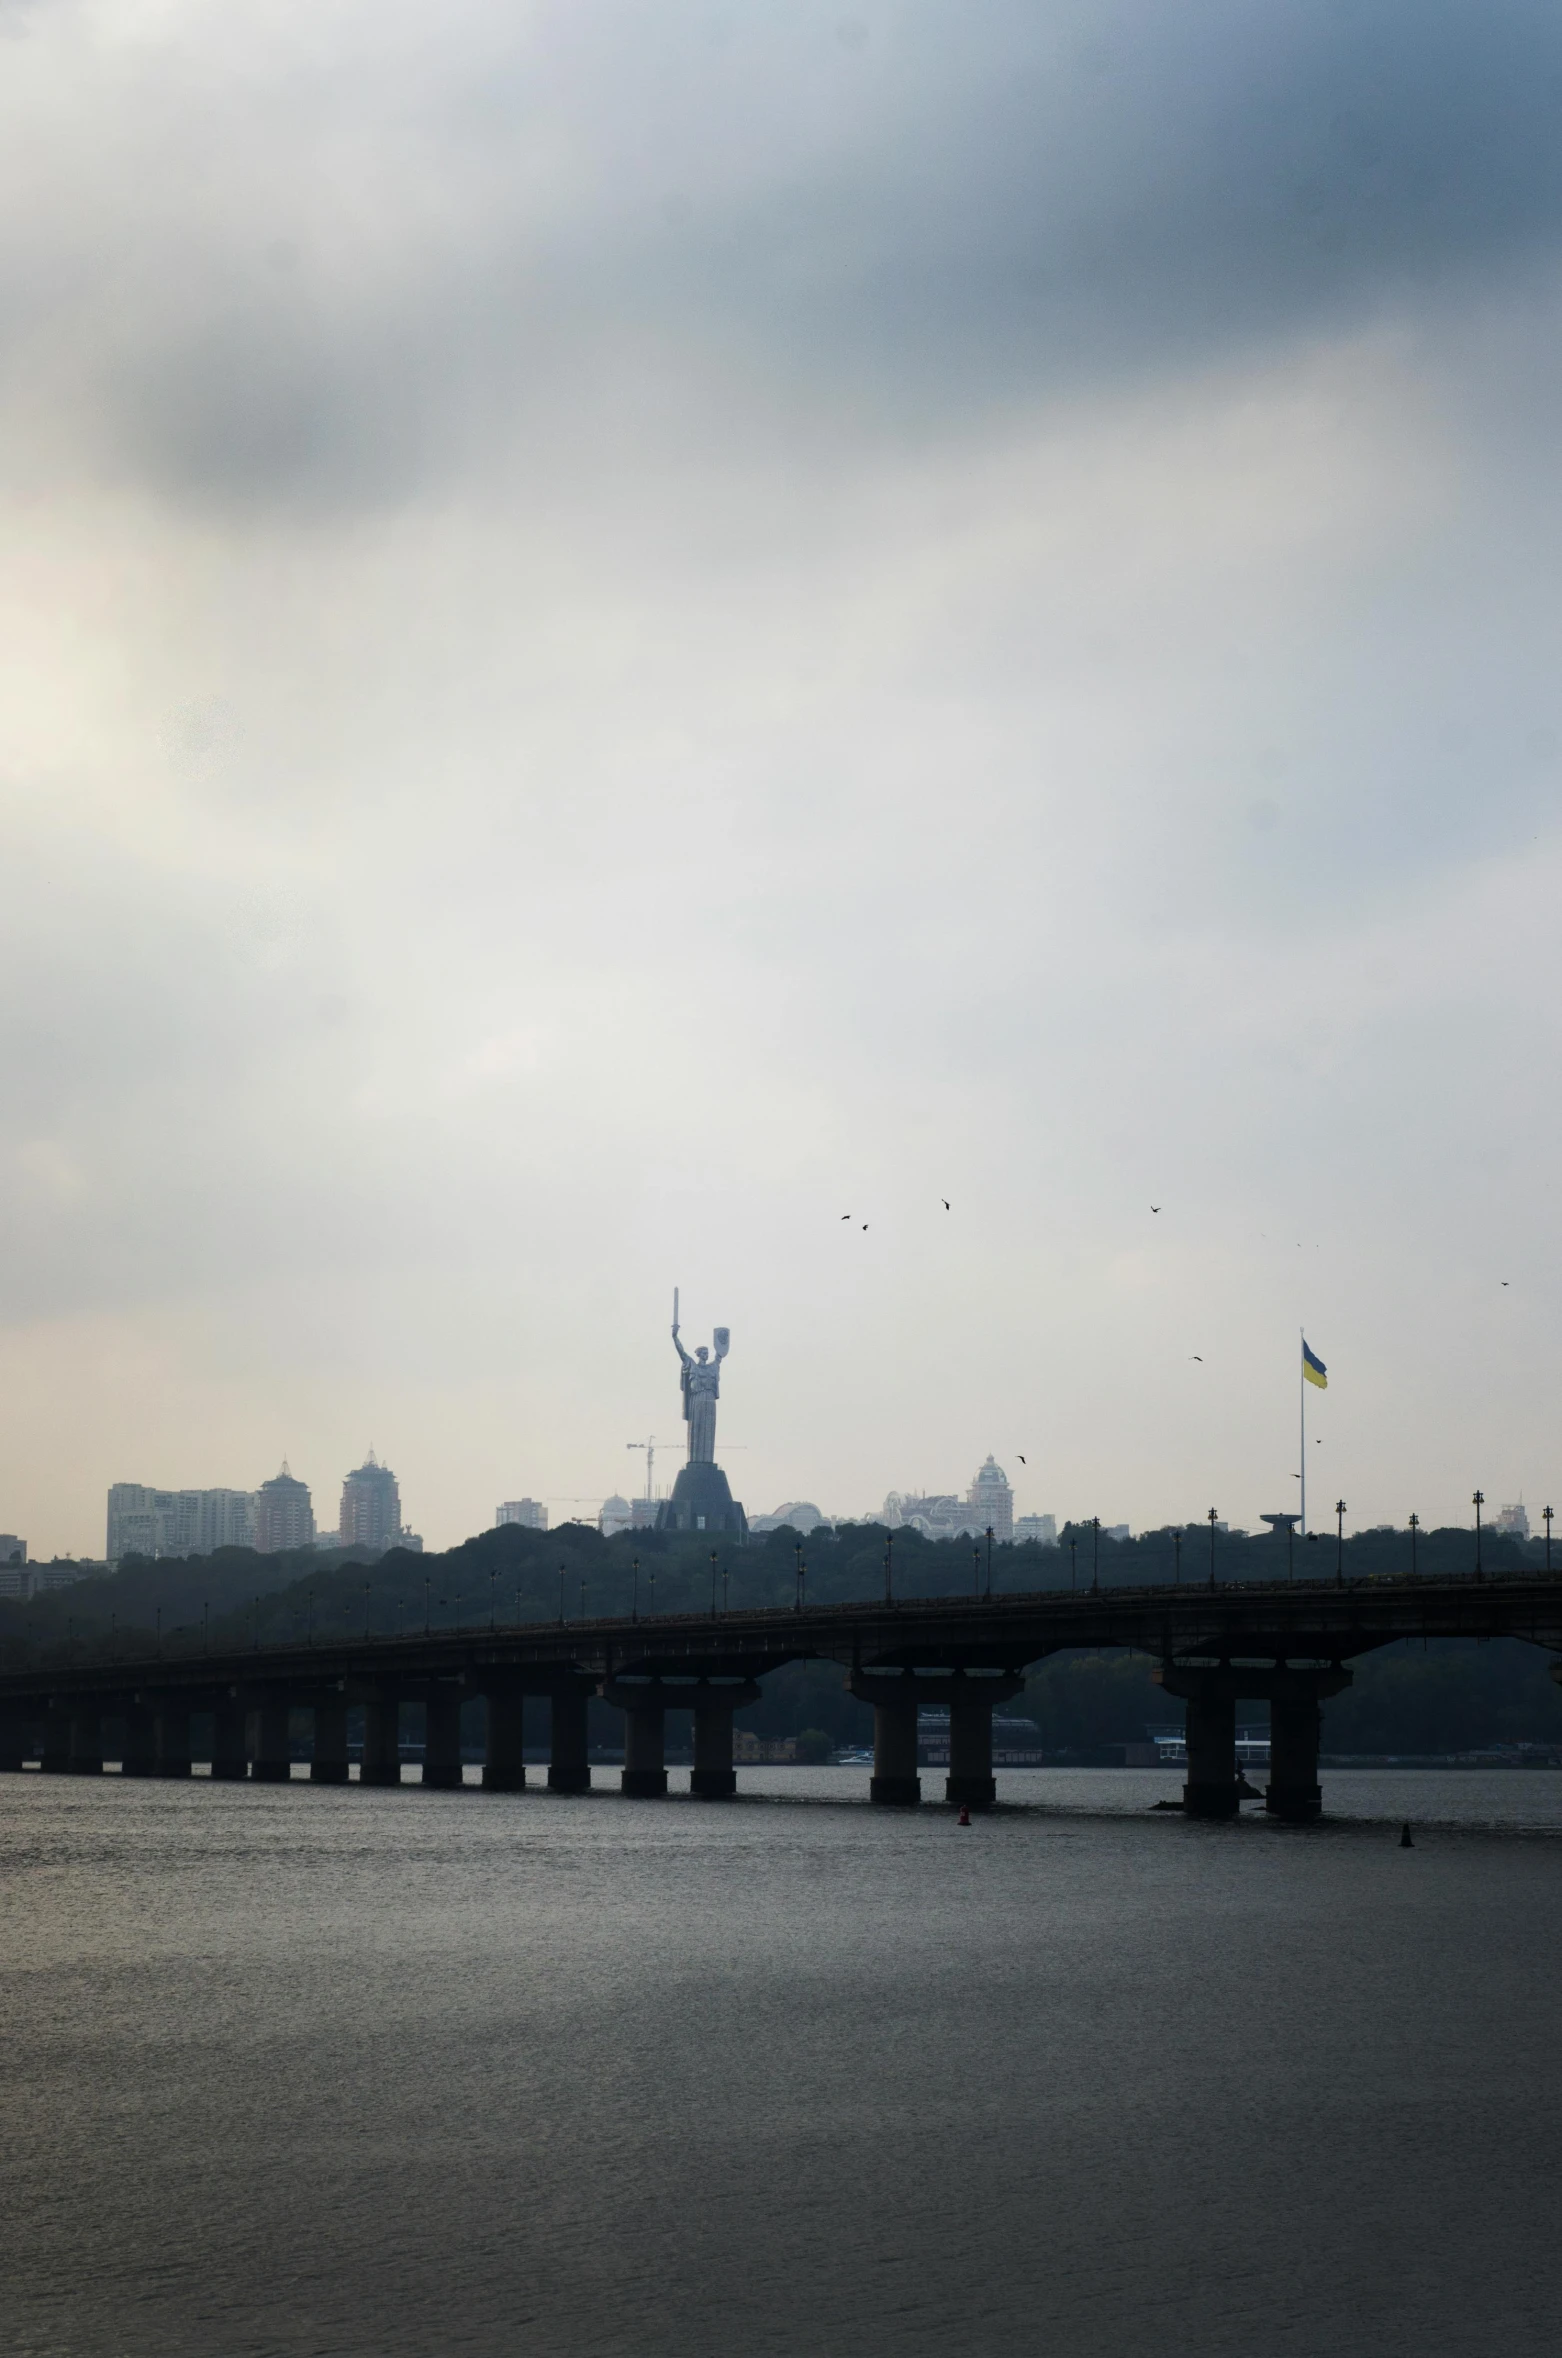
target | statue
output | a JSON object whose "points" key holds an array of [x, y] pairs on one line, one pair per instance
{"points": [[701, 1499], [701, 1382]]}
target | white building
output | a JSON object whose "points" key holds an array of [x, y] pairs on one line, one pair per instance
{"points": [[1043, 1529], [1513, 1522], [529, 1513], [992, 1500], [153, 1523], [939, 1514], [798, 1514], [616, 1515]]}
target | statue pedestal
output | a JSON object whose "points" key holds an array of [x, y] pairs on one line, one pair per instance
{"points": [[702, 1501]]}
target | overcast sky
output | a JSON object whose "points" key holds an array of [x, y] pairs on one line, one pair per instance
{"points": [[629, 628]]}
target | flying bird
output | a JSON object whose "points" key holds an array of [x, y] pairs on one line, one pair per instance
{"points": [[1504, 1281], [1198, 1355], [1155, 1207], [846, 1215], [944, 1200], [865, 1228], [1017, 1454]]}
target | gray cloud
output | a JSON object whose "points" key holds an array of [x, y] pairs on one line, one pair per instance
{"points": [[322, 286]]}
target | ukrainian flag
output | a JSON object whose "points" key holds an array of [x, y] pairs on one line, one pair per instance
{"points": [[1314, 1370]]}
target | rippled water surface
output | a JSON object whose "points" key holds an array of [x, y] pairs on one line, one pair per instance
{"points": [[331, 2071]]}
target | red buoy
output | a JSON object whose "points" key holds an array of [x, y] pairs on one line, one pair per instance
{"points": [[965, 1815]]}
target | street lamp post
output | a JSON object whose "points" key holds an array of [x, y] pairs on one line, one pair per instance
{"points": [[713, 1584], [1212, 1518], [1073, 1563], [1478, 1501], [726, 1575], [1545, 1516], [1095, 1555], [976, 1571], [1339, 1543], [493, 1593], [1177, 1556], [561, 1596], [989, 1563], [1415, 1526], [889, 1568], [634, 1609]]}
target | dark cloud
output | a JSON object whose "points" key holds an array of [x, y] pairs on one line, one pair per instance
{"points": [[341, 284]]}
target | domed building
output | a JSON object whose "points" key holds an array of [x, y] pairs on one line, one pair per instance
{"points": [[991, 1500]]}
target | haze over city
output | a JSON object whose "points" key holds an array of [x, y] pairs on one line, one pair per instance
{"points": [[628, 632]]}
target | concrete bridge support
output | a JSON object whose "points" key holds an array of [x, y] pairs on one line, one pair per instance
{"points": [[1295, 1723], [713, 1777], [504, 1756], [139, 1755], [229, 1760], [328, 1751], [644, 1707], [172, 1739], [1210, 1790], [381, 1738], [86, 1753], [970, 1783], [55, 1757], [273, 1759], [894, 1698], [1295, 1717], [442, 1735], [569, 1764], [16, 1737]]}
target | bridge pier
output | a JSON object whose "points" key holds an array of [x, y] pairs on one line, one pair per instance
{"points": [[970, 1783], [645, 1735], [893, 1695], [381, 1738], [273, 1761], [55, 1757], [328, 1750], [504, 1752], [15, 1737], [442, 1735], [569, 1760], [713, 1777], [171, 1739], [1295, 1717], [86, 1753], [139, 1755], [229, 1759], [1295, 1723]]}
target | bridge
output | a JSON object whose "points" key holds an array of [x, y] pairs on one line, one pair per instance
{"points": [[1285, 1642]]}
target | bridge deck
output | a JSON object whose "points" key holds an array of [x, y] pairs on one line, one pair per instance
{"points": [[1300, 1621]]}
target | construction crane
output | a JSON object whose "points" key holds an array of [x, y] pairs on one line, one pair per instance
{"points": [[649, 1447]]}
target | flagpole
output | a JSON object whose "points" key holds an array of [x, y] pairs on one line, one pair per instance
{"points": [[1301, 1386]]}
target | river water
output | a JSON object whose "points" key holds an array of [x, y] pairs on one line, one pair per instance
{"points": [[318, 2071]]}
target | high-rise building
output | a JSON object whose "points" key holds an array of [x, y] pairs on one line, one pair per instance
{"points": [[143, 1522], [616, 1515], [992, 1500], [1042, 1528], [371, 1507], [530, 1513], [284, 1514]]}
